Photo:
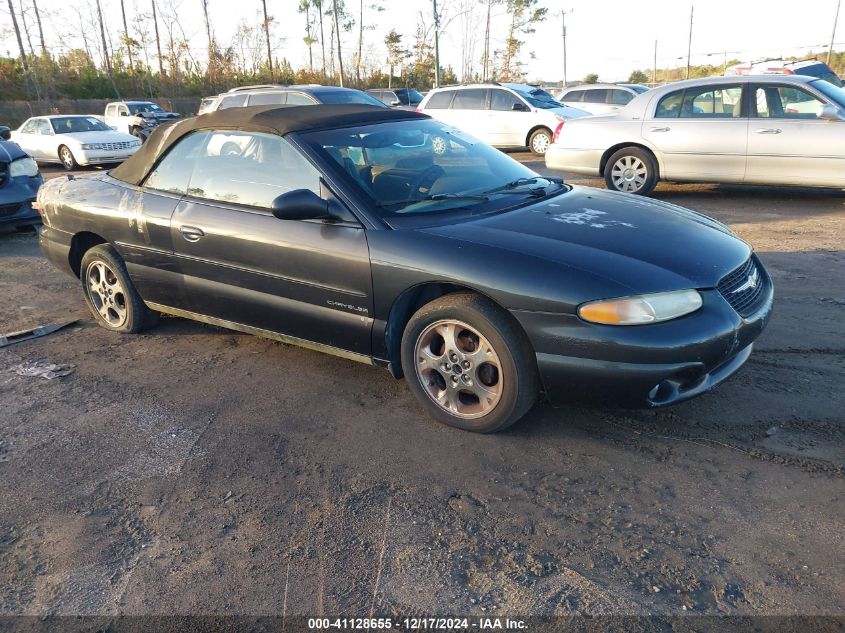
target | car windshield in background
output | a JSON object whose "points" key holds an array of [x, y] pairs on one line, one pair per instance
{"points": [[351, 96], [409, 97], [834, 93], [540, 99], [69, 124], [137, 108], [419, 167]]}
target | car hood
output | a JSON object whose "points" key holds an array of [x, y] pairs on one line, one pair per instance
{"points": [[161, 116], [628, 244], [10, 151], [105, 136]]}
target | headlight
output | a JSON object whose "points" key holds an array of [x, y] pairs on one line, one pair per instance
{"points": [[92, 146], [23, 167], [641, 309]]}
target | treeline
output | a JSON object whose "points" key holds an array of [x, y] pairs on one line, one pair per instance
{"points": [[147, 54]]}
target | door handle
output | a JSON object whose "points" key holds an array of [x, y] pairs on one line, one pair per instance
{"points": [[660, 129], [191, 233], [768, 130]]}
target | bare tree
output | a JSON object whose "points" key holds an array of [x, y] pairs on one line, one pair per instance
{"points": [[127, 41], [375, 6], [337, 34], [267, 37], [305, 7], [106, 58], [158, 40], [319, 5], [24, 64], [40, 29], [212, 61]]}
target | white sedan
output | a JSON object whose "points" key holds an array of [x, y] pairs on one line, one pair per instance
{"points": [[764, 130], [74, 140]]}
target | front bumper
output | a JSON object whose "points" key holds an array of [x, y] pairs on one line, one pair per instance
{"points": [[574, 161], [651, 365], [102, 157], [16, 198]]}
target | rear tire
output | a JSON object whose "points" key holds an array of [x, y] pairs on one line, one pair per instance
{"points": [[110, 294], [539, 141], [469, 364], [67, 159], [631, 170]]}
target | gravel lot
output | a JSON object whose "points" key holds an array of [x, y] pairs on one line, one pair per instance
{"points": [[194, 470]]}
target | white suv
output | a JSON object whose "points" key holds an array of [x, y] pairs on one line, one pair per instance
{"points": [[501, 115]]}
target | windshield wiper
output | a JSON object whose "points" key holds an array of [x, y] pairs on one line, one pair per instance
{"points": [[435, 197], [515, 184]]}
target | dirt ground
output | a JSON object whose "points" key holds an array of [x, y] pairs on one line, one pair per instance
{"points": [[194, 470]]}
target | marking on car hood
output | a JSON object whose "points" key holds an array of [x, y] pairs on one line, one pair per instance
{"points": [[589, 217]]}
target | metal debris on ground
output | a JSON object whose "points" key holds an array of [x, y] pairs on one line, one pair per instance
{"points": [[25, 335], [42, 368]]}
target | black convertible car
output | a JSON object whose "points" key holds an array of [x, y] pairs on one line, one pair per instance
{"points": [[341, 229]]}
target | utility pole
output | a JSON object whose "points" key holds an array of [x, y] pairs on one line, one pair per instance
{"points": [[436, 45], [833, 35], [654, 68], [486, 65], [563, 37], [689, 44]]}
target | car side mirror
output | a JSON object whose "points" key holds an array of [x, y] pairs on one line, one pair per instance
{"points": [[124, 114], [300, 204], [5, 132], [519, 107], [830, 112]]}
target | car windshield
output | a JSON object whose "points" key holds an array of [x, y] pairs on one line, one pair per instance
{"points": [[349, 96], [834, 93], [539, 98], [424, 167], [135, 108], [69, 124], [409, 97]]}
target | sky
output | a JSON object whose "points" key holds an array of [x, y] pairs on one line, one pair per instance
{"points": [[610, 38]]}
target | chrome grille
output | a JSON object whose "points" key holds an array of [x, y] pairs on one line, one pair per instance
{"points": [[743, 288], [109, 147]]}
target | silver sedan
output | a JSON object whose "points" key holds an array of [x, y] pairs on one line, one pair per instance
{"points": [[774, 129]]}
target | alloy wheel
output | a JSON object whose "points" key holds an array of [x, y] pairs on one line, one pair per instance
{"points": [[67, 158], [106, 293], [458, 369], [629, 174], [540, 143]]}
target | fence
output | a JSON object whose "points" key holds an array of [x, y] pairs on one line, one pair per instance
{"points": [[13, 113]]}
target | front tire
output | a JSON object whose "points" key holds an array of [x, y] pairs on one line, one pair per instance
{"points": [[539, 141], [468, 364], [110, 294], [67, 159], [631, 170]]}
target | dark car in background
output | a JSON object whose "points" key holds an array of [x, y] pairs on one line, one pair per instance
{"points": [[342, 229], [19, 183], [271, 94], [402, 98]]}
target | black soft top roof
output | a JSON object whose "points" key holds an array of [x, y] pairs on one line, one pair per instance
{"points": [[274, 119]]}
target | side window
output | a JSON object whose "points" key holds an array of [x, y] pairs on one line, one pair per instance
{"points": [[440, 100], [786, 102], [30, 127], [712, 102], [620, 97], [297, 98], [232, 101], [249, 168], [502, 100], [595, 95], [111, 110], [267, 98], [669, 107], [573, 95], [123, 111], [471, 99], [173, 172], [43, 127]]}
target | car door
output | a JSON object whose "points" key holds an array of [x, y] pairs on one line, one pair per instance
{"points": [[469, 113], [507, 127], [28, 139], [44, 140], [700, 133], [787, 141], [300, 278]]}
